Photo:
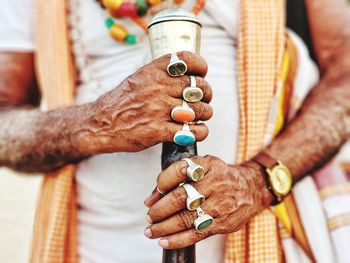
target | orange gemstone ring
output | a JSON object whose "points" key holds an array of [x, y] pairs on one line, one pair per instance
{"points": [[183, 113]]}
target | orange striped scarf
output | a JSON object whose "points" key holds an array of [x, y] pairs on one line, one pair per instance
{"points": [[261, 42]]}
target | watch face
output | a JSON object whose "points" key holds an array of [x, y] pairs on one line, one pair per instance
{"points": [[281, 180]]}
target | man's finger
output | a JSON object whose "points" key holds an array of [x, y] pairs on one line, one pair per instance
{"points": [[200, 131], [177, 223], [173, 202], [203, 111], [196, 64], [180, 83], [185, 238], [176, 174]]}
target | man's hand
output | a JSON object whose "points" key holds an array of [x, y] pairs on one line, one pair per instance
{"points": [[234, 194], [136, 114], [133, 116]]}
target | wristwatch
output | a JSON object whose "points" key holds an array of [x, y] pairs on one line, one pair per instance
{"points": [[277, 176]]}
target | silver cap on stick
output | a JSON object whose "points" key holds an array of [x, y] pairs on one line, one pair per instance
{"points": [[174, 30]]}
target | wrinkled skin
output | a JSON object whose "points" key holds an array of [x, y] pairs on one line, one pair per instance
{"points": [[233, 195], [136, 115], [132, 117], [236, 193]]}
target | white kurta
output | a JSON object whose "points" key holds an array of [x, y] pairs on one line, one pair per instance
{"points": [[112, 187]]}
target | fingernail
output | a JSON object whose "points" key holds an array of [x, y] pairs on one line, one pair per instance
{"points": [[149, 219], [147, 199], [163, 243], [148, 232]]}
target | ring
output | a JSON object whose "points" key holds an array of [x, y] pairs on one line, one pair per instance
{"points": [[183, 113], [184, 137], [194, 199], [194, 171], [203, 220], [192, 93], [176, 67]]}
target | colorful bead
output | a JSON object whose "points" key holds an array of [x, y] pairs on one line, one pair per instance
{"points": [[109, 22], [113, 12], [118, 32], [198, 7], [142, 7], [112, 4], [128, 10], [154, 2], [130, 39], [135, 11]]}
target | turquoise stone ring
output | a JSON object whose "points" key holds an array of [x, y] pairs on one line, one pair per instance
{"points": [[184, 137]]}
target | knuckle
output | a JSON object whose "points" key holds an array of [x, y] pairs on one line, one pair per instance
{"points": [[205, 65], [177, 199], [222, 227], [208, 91], [187, 56], [160, 182], [157, 230], [202, 235], [202, 132], [186, 219], [211, 158], [209, 111], [154, 212], [178, 170], [163, 60], [166, 133], [206, 111]]}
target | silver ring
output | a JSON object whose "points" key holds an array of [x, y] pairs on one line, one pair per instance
{"points": [[192, 93], [203, 220], [194, 171], [176, 67], [194, 199], [187, 114], [184, 137]]}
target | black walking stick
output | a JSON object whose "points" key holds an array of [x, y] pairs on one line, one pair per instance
{"points": [[172, 31]]}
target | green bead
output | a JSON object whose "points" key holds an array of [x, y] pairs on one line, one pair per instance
{"points": [[109, 22], [130, 39], [142, 7]]}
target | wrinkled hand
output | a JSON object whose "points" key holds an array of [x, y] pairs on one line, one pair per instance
{"points": [[137, 114], [234, 194]]}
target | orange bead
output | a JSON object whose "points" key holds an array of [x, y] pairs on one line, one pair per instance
{"points": [[118, 32], [154, 2], [198, 7], [178, 2]]}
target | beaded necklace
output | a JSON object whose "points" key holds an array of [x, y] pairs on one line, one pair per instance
{"points": [[118, 9]]}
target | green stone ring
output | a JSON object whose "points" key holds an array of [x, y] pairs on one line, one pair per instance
{"points": [[203, 220]]}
